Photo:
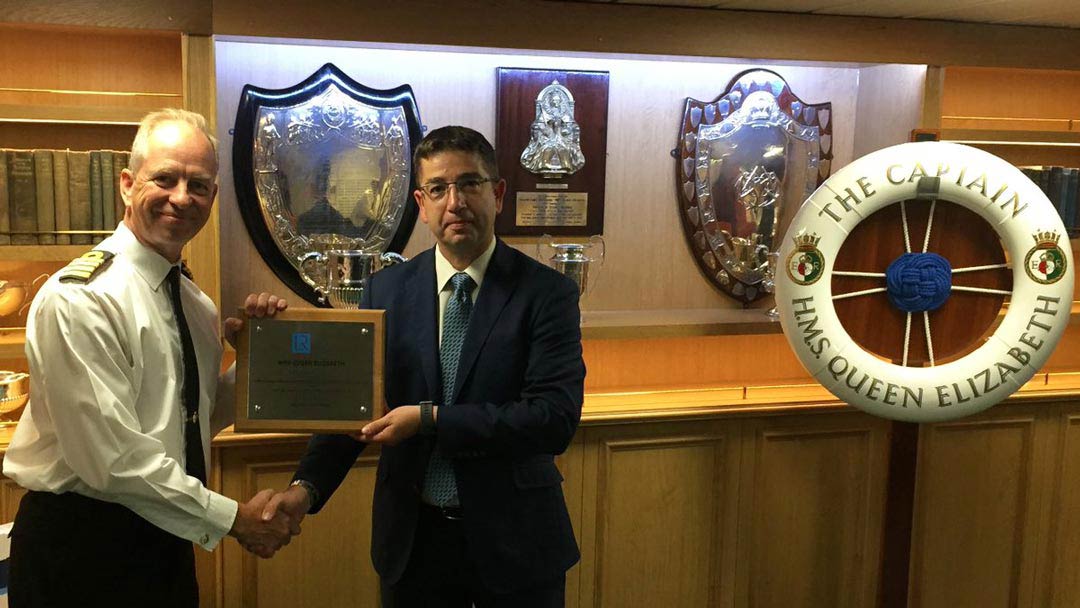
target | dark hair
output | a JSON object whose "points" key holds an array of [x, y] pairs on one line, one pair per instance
{"points": [[456, 139]]}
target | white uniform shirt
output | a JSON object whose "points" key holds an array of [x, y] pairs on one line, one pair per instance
{"points": [[106, 416], [444, 271]]}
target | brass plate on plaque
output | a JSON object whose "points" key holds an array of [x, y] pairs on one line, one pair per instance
{"points": [[551, 136], [310, 370], [551, 208]]}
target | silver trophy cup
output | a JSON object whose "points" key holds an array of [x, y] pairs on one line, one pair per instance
{"points": [[575, 260], [342, 283]]}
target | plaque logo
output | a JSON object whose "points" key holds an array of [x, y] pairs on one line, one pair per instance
{"points": [[301, 343], [806, 263], [1045, 263]]}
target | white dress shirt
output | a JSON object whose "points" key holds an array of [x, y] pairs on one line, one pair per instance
{"points": [[444, 271], [106, 416]]}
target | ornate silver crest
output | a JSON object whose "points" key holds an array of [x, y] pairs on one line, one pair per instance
{"points": [[555, 137], [329, 169], [747, 160]]}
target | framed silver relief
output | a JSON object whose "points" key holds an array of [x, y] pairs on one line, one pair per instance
{"points": [[322, 166], [744, 164]]}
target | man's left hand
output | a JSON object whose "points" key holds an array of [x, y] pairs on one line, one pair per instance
{"points": [[398, 425], [256, 305]]}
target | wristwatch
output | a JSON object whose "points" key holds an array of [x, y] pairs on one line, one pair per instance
{"points": [[312, 491], [427, 418]]}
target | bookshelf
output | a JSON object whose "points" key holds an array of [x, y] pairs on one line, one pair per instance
{"points": [[76, 89], [1025, 116]]}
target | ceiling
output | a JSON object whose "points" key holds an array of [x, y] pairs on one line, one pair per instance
{"points": [[1051, 13]]}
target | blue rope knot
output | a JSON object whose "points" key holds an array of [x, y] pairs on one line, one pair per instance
{"points": [[918, 282]]}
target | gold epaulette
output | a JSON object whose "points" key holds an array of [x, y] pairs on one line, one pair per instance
{"points": [[85, 267]]}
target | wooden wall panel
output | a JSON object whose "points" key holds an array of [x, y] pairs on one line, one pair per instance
{"points": [[890, 105], [11, 494], [203, 253], [973, 539], [811, 502], [329, 564], [1026, 97], [82, 59], [1063, 537], [639, 28], [572, 466], [713, 361], [659, 516]]}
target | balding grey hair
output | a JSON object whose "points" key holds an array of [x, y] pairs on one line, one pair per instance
{"points": [[152, 120]]}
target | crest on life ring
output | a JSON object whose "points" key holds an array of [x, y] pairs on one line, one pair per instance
{"points": [[806, 264], [1046, 262]]}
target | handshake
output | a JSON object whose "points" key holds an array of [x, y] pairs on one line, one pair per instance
{"points": [[270, 519]]}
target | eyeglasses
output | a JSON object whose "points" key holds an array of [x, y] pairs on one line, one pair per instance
{"points": [[468, 186]]}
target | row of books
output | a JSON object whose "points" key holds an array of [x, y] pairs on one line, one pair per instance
{"points": [[59, 197], [1062, 186]]}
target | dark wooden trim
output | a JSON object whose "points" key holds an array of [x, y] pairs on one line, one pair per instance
{"points": [[633, 28], [899, 511]]}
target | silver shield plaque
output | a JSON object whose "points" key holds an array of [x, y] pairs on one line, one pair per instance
{"points": [[746, 162], [327, 168]]}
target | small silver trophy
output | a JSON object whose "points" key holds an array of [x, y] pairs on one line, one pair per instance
{"points": [[342, 281], [575, 259]]}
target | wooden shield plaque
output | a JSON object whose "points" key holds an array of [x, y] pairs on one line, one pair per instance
{"points": [[551, 141]]}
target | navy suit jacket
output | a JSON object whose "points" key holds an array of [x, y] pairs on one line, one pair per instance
{"points": [[517, 404]]}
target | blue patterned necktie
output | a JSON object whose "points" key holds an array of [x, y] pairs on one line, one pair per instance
{"points": [[440, 488]]}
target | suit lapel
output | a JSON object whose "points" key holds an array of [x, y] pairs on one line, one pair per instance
{"points": [[423, 299], [499, 284]]}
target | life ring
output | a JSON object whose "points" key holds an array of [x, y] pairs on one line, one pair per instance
{"points": [[1039, 305]]}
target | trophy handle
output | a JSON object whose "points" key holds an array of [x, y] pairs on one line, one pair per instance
{"points": [[597, 239], [39, 281], [313, 257], [549, 241]]}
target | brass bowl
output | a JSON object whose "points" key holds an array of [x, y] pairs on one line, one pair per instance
{"points": [[14, 393]]}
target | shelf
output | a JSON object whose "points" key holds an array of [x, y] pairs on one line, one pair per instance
{"points": [[72, 114], [1012, 138], [41, 253], [614, 324]]}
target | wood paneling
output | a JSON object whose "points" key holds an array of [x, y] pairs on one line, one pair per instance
{"points": [[890, 105], [1060, 579], [203, 253], [974, 536], [713, 361], [329, 564], [572, 466], [620, 28], [811, 500], [10, 496], [659, 516], [1021, 99], [81, 59], [192, 16]]}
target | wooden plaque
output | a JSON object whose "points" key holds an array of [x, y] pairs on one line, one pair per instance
{"points": [[310, 370], [547, 202]]}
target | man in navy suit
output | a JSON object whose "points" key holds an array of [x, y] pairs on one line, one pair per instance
{"points": [[484, 381]]}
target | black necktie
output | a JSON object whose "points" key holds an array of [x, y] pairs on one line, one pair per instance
{"points": [[196, 465]]}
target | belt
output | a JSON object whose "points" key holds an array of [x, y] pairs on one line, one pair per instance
{"points": [[452, 513]]}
